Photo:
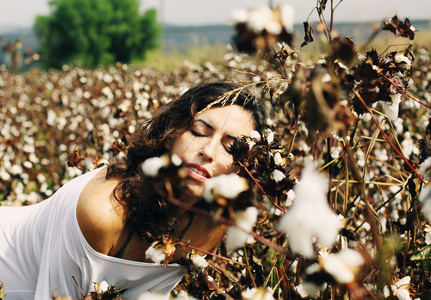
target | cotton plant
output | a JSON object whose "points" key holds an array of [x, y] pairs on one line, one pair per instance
{"points": [[310, 216]]}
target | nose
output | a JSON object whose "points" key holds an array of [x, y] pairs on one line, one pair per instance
{"points": [[208, 150]]}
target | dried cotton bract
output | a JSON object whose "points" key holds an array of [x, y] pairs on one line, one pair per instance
{"points": [[227, 186], [245, 219], [310, 215]]}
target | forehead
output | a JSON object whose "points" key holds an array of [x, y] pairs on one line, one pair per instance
{"points": [[232, 119]]}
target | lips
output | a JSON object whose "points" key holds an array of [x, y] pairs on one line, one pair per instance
{"points": [[197, 172]]}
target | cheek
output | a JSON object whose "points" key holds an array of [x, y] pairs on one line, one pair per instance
{"points": [[178, 148], [228, 167], [184, 146]]}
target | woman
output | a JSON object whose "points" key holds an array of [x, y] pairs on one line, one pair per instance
{"points": [[98, 226]]}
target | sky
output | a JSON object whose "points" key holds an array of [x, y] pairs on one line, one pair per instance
{"points": [[21, 13]]}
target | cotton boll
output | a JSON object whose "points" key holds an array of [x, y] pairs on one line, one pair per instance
{"points": [[33, 197], [301, 291], [278, 160], [310, 289], [287, 14], [182, 295], [245, 219], [310, 215], [400, 289], [391, 108], [278, 176], [5, 176], [199, 261], [255, 135], [176, 160], [425, 201], [156, 255], [424, 169], [227, 186], [238, 16], [102, 287], [273, 27], [151, 166], [260, 293], [335, 152], [402, 61], [258, 18], [290, 197], [407, 145], [403, 294], [343, 266], [269, 136], [16, 169]]}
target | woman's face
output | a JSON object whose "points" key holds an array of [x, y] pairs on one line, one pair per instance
{"points": [[204, 148]]}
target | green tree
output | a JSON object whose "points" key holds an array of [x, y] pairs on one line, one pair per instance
{"points": [[96, 32]]}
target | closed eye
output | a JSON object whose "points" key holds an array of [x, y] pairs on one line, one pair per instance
{"points": [[195, 133]]}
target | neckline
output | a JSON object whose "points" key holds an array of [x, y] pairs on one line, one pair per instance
{"points": [[90, 249]]}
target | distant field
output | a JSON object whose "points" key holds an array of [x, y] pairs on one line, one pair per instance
{"points": [[208, 42]]}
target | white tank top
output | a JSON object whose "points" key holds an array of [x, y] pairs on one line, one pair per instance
{"points": [[42, 247]]}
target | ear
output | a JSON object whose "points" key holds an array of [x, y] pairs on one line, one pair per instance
{"points": [[168, 144]]}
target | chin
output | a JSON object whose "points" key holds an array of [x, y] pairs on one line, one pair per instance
{"points": [[194, 192]]}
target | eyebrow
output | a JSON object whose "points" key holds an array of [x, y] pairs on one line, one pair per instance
{"points": [[212, 128]]}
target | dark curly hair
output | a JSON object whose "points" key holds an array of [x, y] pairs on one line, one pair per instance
{"points": [[150, 213]]}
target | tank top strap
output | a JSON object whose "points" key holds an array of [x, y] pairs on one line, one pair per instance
{"points": [[120, 253], [183, 233]]}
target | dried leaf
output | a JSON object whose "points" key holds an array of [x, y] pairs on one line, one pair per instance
{"points": [[75, 159], [308, 38]]}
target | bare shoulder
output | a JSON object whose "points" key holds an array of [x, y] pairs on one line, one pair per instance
{"points": [[100, 218]]}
